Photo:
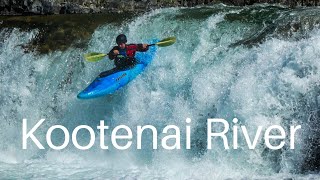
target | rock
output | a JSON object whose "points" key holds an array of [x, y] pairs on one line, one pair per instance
{"points": [[48, 7], [19, 7], [4, 3], [36, 7]]}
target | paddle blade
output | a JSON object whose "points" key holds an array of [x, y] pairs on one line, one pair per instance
{"points": [[94, 57], [166, 42]]}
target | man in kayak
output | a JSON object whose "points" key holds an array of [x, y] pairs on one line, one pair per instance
{"points": [[123, 54]]}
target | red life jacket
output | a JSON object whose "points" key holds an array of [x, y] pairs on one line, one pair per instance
{"points": [[131, 50]]}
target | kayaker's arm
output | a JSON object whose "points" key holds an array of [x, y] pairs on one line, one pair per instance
{"points": [[142, 47]]}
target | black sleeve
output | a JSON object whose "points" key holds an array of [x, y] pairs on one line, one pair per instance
{"points": [[140, 48], [111, 54]]}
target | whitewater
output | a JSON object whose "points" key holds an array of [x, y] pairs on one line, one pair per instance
{"points": [[259, 64]]}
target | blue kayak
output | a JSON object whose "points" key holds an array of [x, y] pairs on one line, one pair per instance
{"points": [[114, 79]]}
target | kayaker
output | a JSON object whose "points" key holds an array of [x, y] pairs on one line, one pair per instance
{"points": [[123, 54]]}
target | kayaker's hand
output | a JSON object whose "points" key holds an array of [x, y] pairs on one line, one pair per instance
{"points": [[115, 52], [144, 46]]}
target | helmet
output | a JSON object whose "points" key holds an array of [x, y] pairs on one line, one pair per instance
{"points": [[121, 39]]}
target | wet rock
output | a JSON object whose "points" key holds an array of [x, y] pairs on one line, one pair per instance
{"points": [[36, 7], [19, 7]]}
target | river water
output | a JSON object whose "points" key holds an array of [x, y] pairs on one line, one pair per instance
{"points": [[259, 64]]}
